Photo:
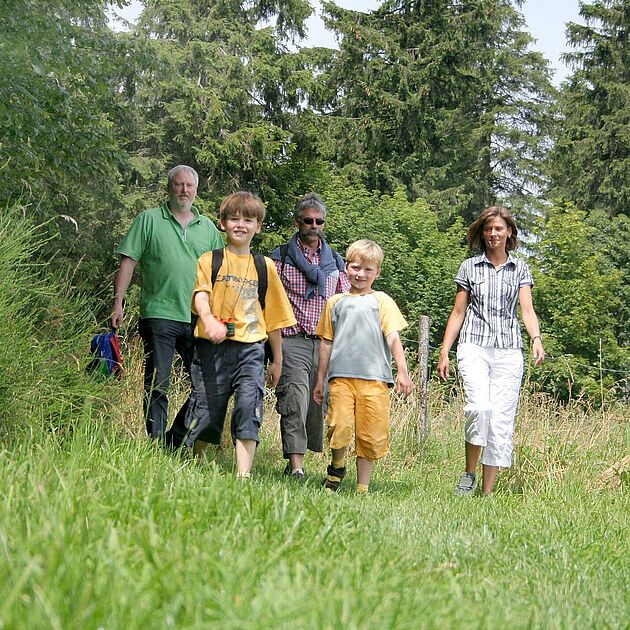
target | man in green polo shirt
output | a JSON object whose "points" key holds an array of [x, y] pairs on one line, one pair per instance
{"points": [[166, 241]]}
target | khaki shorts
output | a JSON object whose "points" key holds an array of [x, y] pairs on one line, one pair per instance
{"points": [[363, 407]]}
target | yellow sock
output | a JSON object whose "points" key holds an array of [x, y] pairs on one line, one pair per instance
{"points": [[338, 463], [363, 488]]}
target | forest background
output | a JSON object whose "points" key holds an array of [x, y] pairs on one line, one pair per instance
{"points": [[424, 115]]}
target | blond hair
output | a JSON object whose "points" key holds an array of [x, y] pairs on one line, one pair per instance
{"points": [[365, 250]]}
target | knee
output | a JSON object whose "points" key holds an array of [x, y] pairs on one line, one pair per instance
{"points": [[477, 412]]}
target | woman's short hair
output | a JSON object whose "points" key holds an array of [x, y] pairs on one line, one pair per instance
{"points": [[307, 202], [242, 203], [365, 250], [475, 231]]}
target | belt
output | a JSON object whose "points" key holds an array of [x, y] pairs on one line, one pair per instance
{"points": [[306, 335]]}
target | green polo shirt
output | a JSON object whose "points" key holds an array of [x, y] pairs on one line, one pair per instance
{"points": [[167, 255]]}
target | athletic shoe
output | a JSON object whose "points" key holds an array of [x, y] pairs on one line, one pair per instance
{"points": [[467, 484], [298, 475]]}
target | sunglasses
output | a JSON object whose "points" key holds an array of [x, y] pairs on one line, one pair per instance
{"points": [[310, 221]]}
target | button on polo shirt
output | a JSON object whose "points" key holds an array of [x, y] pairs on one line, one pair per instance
{"points": [[167, 255]]}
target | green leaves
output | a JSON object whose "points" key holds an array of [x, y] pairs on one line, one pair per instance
{"points": [[442, 97], [590, 163], [224, 95], [578, 300]]}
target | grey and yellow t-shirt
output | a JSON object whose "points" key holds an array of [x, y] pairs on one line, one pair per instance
{"points": [[358, 326]]}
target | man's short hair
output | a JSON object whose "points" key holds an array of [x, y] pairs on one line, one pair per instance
{"points": [[182, 167], [365, 250], [242, 203], [311, 201]]}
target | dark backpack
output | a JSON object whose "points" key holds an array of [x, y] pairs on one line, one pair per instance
{"points": [[261, 270], [106, 356]]}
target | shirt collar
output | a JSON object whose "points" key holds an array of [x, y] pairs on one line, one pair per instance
{"points": [[304, 249], [167, 214], [483, 259]]}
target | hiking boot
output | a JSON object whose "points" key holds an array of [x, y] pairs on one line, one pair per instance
{"points": [[334, 478], [467, 484]]}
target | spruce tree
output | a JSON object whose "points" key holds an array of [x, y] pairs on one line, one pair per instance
{"points": [[590, 163], [444, 97], [224, 94]]}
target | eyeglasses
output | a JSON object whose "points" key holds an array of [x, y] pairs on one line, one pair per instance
{"points": [[310, 221]]}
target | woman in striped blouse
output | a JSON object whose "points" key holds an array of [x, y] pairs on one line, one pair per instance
{"points": [[490, 285]]}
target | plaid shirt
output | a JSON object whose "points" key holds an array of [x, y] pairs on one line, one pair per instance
{"points": [[307, 312]]}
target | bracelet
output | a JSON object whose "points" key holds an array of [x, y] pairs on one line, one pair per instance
{"points": [[536, 337]]}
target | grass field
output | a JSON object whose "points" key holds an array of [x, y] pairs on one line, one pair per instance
{"points": [[100, 529]]}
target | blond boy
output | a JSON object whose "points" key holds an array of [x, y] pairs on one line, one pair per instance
{"points": [[360, 335]]}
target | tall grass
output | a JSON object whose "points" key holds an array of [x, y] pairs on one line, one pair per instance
{"points": [[44, 336], [102, 529]]}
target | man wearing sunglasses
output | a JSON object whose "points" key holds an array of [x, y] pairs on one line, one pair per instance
{"points": [[310, 272]]}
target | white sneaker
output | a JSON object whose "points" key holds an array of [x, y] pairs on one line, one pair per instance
{"points": [[467, 484]]}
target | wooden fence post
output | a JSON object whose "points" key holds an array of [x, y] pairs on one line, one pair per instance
{"points": [[422, 387]]}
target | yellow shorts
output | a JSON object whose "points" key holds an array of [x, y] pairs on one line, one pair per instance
{"points": [[363, 406]]}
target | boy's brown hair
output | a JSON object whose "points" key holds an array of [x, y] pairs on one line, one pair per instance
{"points": [[365, 250], [242, 203]]}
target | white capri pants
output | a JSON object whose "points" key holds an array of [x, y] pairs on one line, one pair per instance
{"points": [[492, 380]]}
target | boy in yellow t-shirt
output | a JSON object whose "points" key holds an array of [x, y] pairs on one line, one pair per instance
{"points": [[359, 331], [230, 335]]}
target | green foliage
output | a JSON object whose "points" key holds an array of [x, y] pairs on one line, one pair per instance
{"points": [[590, 163], [577, 298], [442, 97], [58, 104], [590, 166], [225, 96]]}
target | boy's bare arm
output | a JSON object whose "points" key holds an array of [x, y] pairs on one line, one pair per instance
{"points": [[325, 348], [275, 367], [403, 381], [215, 331]]}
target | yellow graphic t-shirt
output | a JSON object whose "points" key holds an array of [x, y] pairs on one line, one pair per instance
{"points": [[234, 296]]}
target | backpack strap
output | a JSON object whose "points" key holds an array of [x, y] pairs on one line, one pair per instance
{"points": [[261, 270], [217, 261]]}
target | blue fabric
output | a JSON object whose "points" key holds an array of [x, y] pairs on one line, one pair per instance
{"points": [[316, 275], [105, 349]]}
